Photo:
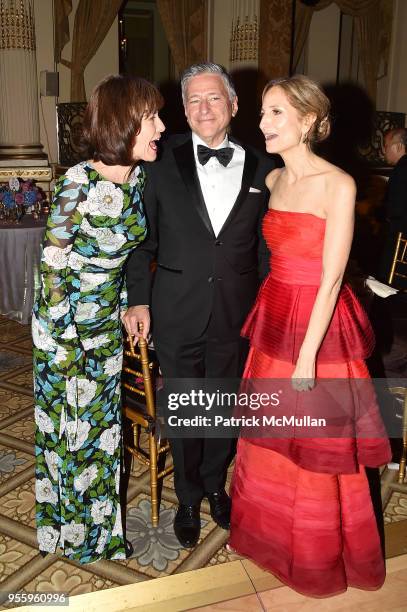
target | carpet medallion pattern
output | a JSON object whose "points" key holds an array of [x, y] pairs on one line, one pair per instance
{"points": [[156, 550]]}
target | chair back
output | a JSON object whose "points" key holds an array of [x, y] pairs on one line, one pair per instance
{"points": [[398, 271], [140, 371], [69, 132]]}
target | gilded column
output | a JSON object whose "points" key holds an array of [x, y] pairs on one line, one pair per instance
{"points": [[244, 38], [19, 117]]}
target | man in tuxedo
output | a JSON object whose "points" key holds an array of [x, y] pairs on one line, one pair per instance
{"points": [[205, 200], [395, 203]]}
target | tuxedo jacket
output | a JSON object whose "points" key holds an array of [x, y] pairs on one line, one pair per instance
{"points": [[199, 277]]}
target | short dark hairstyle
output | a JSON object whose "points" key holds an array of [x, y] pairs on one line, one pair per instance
{"points": [[113, 118]]}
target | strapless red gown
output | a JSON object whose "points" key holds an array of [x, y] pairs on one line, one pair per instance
{"points": [[302, 508]]}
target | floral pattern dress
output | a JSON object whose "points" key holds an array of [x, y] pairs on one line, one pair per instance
{"points": [[92, 227]]}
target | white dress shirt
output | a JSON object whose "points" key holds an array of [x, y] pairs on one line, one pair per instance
{"points": [[220, 185]]}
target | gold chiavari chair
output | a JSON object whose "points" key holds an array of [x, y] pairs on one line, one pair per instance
{"points": [[398, 276], [139, 407], [401, 392], [398, 268]]}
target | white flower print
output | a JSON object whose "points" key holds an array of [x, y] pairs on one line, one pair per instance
{"points": [[118, 529], [83, 207], [118, 555], [85, 479], [60, 309], [109, 242], [86, 310], [110, 439], [43, 422], [47, 538], [71, 390], [60, 355], [90, 281], [107, 264], [80, 391], [52, 461], [100, 509], [62, 423], [115, 315], [113, 365], [86, 391], [44, 491], [55, 257], [117, 479], [77, 434], [104, 236], [77, 174], [69, 333], [76, 261], [123, 299], [105, 199], [73, 533], [102, 541], [95, 342], [41, 338]]}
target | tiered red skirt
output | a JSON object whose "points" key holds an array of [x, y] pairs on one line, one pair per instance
{"points": [[315, 531]]}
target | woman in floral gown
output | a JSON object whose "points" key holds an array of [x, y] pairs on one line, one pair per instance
{"points": [[96, 220]]}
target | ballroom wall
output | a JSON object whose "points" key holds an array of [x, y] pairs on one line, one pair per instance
{"points": [[44, 31], [321, 52], [397, 79], [105, 61], [221, 19], [321, 57]]}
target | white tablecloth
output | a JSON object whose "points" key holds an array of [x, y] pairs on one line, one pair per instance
{"points": [[19, 267]]}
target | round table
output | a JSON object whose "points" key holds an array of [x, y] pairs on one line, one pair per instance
{"points": [[19, 267]]}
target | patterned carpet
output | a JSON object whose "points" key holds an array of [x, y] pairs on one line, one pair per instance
{"points": [[156, 551]]}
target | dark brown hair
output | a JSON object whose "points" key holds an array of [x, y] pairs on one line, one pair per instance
{"points": [[113, 118], [306, 96]]}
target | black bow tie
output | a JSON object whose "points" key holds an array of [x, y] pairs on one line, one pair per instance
{"points": [[224, 155]]}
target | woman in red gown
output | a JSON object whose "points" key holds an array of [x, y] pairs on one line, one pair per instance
{"points": [[301, 508]]}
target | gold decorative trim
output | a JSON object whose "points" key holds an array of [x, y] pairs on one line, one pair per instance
{"points": [[17, 25], [244, 40], [34, 173]]}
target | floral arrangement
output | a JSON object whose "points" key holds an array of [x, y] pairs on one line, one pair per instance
{"points": [[21, 193]]}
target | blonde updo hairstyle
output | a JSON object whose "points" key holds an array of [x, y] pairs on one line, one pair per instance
{"points": [[306, 96]]}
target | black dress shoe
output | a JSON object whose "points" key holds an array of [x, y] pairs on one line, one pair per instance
{"points": [[220, 508], [187, 525]]}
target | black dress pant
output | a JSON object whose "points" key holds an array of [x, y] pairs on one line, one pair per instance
{"points": [[200, 464]]}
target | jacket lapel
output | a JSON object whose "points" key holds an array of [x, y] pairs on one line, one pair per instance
{"points": [[249, 170], [184, 157]]}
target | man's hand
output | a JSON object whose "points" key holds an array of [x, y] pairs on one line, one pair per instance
{"points": [[135, 315]]}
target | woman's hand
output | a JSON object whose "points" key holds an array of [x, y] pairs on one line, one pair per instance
{"points": [[131, 319], [303, 377]]}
